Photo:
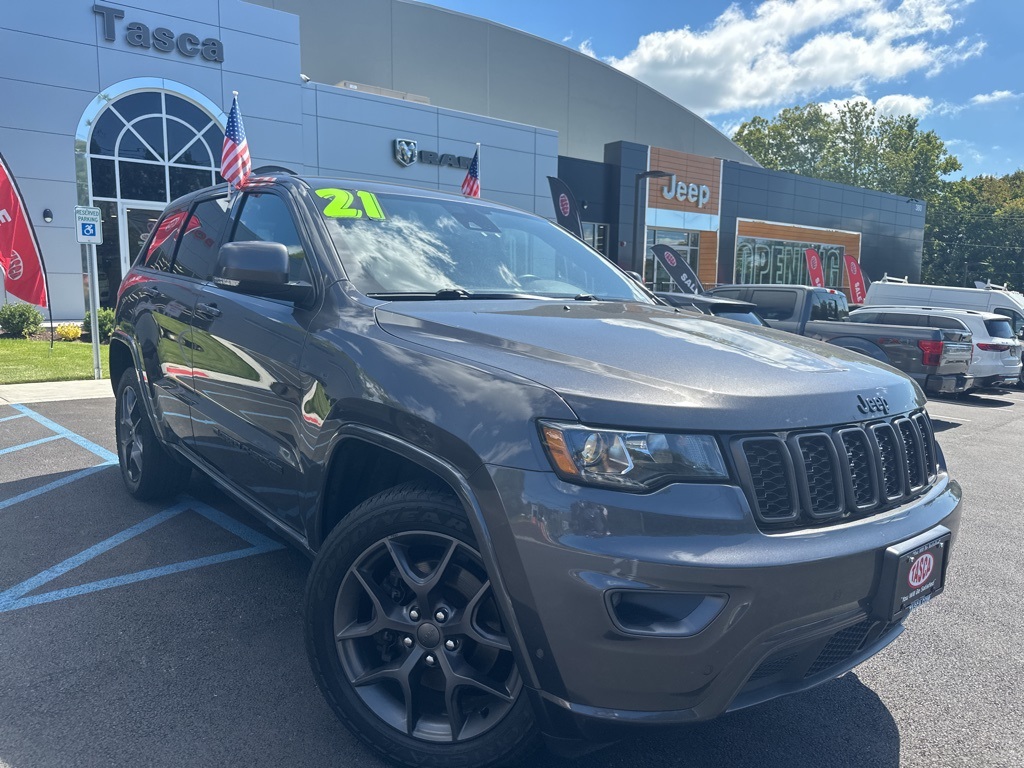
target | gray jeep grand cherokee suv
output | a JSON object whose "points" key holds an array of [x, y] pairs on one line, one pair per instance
{"points": [[537, 501]]}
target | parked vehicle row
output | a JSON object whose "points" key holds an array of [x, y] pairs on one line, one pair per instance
{"points": [[996, 359], [937, 359]]}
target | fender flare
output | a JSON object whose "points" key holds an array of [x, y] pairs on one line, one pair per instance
{"points": [[863, 346], [467, 497]]}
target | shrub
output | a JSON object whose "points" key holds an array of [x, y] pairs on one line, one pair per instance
{"points": [[20, 319], [69, 332], [105, 321]]}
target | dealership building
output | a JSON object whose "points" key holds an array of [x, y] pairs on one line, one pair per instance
{"points": [[122, 106]]}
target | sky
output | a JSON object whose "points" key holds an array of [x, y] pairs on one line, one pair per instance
{"points": [[956, 65]]}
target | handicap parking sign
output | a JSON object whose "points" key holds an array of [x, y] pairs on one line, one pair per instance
{"points": [[89, 225]]}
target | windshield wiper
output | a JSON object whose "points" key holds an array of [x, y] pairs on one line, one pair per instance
{"points": [[452, 294]]}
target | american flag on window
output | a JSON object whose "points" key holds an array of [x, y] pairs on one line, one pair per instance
{"points": [[471, 184], [235, 162]]}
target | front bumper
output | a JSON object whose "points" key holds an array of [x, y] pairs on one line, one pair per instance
{"points": [[797, 608]]}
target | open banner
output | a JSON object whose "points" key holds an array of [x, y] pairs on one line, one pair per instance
{"points": [[20, 256]]}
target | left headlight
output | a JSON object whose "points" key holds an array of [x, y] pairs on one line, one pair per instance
{"points": [[630, 460]]}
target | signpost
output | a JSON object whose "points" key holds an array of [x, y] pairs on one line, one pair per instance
{"points": [[89, 229]]}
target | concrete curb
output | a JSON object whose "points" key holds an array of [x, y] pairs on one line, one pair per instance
{"points": [[48, 391]]}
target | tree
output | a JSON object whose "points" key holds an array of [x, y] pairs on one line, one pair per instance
{"points": [[975, 231], [853, 145]]}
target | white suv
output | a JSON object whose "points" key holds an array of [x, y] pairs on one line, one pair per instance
{"points": [[997, 353]]}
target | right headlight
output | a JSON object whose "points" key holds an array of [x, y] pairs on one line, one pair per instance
{"points": [[629, 459]]}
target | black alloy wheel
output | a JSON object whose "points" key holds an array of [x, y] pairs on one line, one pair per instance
{"points": [[406, 639], [148, 470]]}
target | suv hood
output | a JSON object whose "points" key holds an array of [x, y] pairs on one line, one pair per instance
{"points": [[648, 367]]}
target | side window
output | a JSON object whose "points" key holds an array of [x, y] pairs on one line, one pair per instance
{"points": [[266, 217], [866, 317], [201, 238], [938, 321], [729, 293], [773, 304], [895, 318], [159, 252]]}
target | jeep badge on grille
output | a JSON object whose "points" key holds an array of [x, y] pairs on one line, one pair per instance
{"points": [[872, 404]]}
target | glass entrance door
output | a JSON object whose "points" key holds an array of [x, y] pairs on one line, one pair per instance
{"points": [[137, 223]]}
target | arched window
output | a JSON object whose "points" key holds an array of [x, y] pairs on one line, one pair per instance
{"points": [[140, 144], [153, 146]]}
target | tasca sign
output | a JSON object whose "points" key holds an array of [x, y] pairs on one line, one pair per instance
{"points": [[406, 154], [139, 35]]}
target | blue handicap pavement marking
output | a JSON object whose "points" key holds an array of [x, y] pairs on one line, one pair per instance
{"points": [[59, 433], [14, 598]]}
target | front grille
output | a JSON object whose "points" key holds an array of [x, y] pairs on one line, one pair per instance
{"points": [[801, 479], [769, 466]]}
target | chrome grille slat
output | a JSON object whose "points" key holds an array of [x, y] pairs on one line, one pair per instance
{"points": [[808, 478]]}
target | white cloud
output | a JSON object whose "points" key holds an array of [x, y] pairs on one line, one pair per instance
{"points": [[894, 104], [991, 98], [903, 104], [567, 38], [586, 49], [787, 51]]}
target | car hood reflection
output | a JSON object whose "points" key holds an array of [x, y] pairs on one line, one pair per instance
{"points": [[646, 357]]}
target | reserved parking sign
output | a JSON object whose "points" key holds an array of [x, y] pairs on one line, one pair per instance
{"points": [[88, 225]]}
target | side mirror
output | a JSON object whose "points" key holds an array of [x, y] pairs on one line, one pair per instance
{"points": [[260, 269]]}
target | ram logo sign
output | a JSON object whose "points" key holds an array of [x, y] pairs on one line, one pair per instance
{"points": [[405, 151]]}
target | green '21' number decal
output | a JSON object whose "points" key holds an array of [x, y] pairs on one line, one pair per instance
{"points": [[340, 204]]}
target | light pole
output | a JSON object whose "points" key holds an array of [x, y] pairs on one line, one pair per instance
{"points": [[639, 215]]}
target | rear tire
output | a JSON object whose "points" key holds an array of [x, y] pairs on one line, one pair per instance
{"points": [[148, 470], [405, 639]]}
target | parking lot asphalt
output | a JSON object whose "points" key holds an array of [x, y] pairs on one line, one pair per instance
{"points": [[170, 634]]}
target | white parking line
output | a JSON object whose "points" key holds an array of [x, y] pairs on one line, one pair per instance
{"points": [[943, 417]]}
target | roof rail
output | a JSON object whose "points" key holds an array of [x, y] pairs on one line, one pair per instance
{"points": [[887, 279]]}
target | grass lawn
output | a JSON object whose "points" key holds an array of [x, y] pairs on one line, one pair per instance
{"points": [[25, 360]]}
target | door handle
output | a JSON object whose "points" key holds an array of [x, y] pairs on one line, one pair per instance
{"points": [[208, 310]]}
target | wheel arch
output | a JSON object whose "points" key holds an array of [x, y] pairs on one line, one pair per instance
{"points": [[395, 459], [864, 347]]}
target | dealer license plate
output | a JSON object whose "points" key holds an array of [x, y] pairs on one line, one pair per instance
{"points": [[915, 572]]}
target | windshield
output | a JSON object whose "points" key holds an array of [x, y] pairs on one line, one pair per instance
{"points": [[398, 246]]}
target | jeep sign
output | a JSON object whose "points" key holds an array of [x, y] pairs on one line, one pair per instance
{"points": [[683, 192]]}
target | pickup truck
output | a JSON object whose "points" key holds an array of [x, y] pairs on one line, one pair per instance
{"points": [[937, 359]]}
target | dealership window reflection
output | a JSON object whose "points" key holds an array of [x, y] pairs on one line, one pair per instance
{"points": [[775, 262], [687, 244]]}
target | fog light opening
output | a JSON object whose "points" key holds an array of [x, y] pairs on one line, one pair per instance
{"points": [[670, 614]]}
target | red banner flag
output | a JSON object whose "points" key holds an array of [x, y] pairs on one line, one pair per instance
{"points": [[814, 270], [857, 290], [20, 257]]}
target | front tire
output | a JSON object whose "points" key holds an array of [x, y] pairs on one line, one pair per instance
{"points": [[405, 639], [148, 470]]}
